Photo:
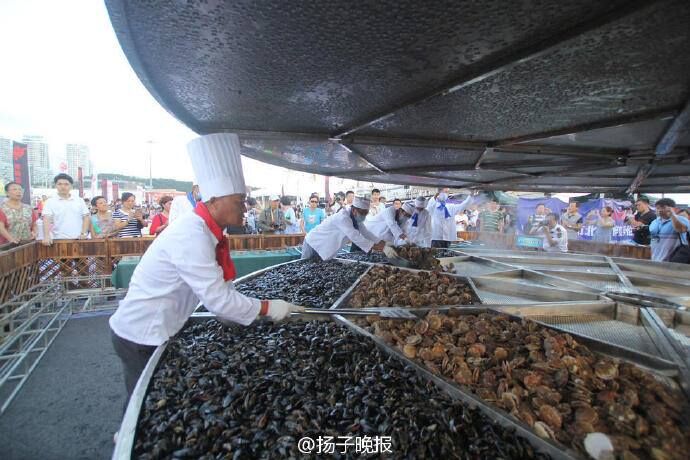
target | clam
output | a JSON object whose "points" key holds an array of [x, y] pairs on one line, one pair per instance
{"points": [[410, 351], [413, 339], [606, 370]]}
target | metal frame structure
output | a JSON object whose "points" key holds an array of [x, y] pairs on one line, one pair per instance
{"points": [[31, 321], [664, 355], [584, 97]]}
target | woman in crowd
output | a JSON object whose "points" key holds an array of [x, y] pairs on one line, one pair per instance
{"points": [[160, 220], [102, 223], [131, 219], [17, 220], [605, 225]]}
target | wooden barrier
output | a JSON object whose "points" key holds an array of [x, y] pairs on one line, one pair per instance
{"points": [[24, 266], [29, 264], [18, 270]]}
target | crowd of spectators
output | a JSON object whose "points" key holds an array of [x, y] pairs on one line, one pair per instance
{"points": [[66, 216]]}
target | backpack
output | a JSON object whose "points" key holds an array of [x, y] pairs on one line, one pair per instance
{"points": [[681, 255]]}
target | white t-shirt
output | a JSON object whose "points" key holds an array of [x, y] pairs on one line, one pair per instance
{"points": [[67, 215], [560, 238]]}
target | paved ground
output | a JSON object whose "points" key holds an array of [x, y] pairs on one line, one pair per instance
{"points": [[71, 405]]}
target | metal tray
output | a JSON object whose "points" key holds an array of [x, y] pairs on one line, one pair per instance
{"points": [[127, 432], [539, 280], [343, 301], [497, 290], [666, 371], [474, 266], [617, 324]]}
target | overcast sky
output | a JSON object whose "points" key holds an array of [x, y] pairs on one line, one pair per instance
{"points": [[65, 77]]}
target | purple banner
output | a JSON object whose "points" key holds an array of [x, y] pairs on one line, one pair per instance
{"points": [[527, 206], [590, 213]]}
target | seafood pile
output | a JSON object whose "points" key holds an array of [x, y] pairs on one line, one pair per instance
{"points": [[372, 257], [255, 392], [385, 286], [421, 258], [308, 283], [548, 380], [440, 252]]}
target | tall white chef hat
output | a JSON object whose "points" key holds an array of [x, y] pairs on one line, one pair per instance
{"points": [[361, 202], [420, 202], [217, 164], [408, 208]]}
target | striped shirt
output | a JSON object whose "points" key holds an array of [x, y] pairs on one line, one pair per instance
{"points": [[490, 221], [132, 229]]}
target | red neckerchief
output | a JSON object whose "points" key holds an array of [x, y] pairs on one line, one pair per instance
{"points": [[222, 248]]}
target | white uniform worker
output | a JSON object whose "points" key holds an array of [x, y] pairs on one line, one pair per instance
{"points": [[190, 262], [183, 204], [419, 225], [443, 218], [330, 236], [388, 224]]}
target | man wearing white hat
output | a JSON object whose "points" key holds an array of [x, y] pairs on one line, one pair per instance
{"points": [[388, 224], [418, 227], [190, 262], [325, 240], [272, 219], [443, 218]]}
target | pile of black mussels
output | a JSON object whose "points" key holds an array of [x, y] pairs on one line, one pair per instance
{"points": [[308, 283], [255, 392], [372, 257]]}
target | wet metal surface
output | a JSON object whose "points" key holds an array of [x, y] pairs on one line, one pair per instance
{"points": [[310, 71]]}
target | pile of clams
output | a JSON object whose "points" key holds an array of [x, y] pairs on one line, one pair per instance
{"points": [[309, 283], [549, 381], [385, 286], [421, 258], [240, 393]]}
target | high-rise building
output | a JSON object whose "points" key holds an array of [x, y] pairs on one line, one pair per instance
{"points": [[6, 165], [40, 173], [78, 155]]}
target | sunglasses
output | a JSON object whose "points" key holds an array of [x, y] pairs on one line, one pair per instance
{"points": [[313, 201]]}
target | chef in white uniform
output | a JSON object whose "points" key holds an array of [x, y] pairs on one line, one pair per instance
{"points": [[190, 262], [443, 218], [184, 204], [330, 236], [419, 225], [388, 224]]}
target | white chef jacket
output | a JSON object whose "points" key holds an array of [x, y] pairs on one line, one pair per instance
{"points": [[180, 206], [177, 271], [330, 236], [384, 226], [421, 234], [443, 228]]}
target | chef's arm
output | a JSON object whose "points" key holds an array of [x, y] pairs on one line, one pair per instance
{"points": [[677, 224], [431, 204], [196, 264], [458, 208], [362, 237]]}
